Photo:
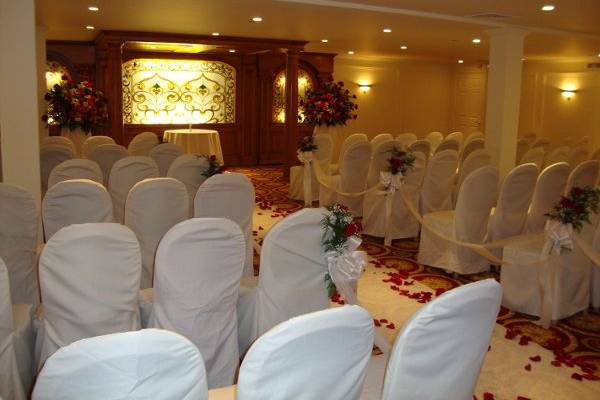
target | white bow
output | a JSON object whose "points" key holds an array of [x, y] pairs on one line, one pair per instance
{"points": [[306, 158], [391, 183]]}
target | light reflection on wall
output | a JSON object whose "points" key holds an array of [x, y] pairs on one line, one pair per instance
{"points": [[163, 91]]}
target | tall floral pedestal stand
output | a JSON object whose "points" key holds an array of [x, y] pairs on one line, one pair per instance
{"points": [[77, 136]]}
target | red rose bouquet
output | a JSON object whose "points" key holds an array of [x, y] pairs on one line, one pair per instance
{"points": [[329, 105], [575, 208], [214, 167], [400, 161], [76, 106], [307, 144]]}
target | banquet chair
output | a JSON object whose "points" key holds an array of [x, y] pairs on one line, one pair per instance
{"points": [[229, 196], [582, 175], [291, 279], [322, 156], [584, 141], [522, 147], [379, 160], [595, 286], [89, 281], [530, 137], [58, 140], [403, 223], [92, 142], [421, 146], [434, 139], [18, 242], [468, 222], [595, 155], [154, 206], [470, 147], [557, 155], [189, 170], [147, 364], [125, 173], [449, 143], [164, 154], [354, 169], [16, 337], [350, 140], [449, 336], [142, 144], [509, 217], [549, 188], [199, 265], [458, 136], [543, 143], [321, 355], [406, 139], [76, 201], [475, 160], [106, 155], [382, 137], [534, 155], [578, 155], [473, 136], [76, 168], [440, 173], [50, 156]]}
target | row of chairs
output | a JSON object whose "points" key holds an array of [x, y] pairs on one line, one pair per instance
{"points": [[543, 156], [140, 145]]}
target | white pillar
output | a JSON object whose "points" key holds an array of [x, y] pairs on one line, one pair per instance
{"points": [[19, 113], [504, 96], [40, 38]]}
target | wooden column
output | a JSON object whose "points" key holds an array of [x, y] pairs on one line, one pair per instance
{"points": [[109, 80], [291, 107]]}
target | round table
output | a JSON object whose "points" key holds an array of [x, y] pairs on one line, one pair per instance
{"points": [[196, 141]]}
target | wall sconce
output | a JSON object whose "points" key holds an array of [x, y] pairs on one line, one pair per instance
{"points": [[364, 87], [568, 94]]}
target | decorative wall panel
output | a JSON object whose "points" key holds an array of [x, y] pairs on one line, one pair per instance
{"points": [[305, 82]]}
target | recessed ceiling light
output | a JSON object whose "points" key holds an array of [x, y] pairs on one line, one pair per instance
{"points": [[89, 27], [460, 61], [548, 7], [403, 47], [215, 34], [256, 19], [523, 59], [350, 52], [93, 8], [476, 40], [598, 54], [232, 50], [387, 30], [324, 40]]}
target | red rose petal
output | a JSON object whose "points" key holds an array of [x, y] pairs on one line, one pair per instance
{"points": [[488, 396], [536, 358], [523, 398], [528, 367], [391, 326], [576, 376]]}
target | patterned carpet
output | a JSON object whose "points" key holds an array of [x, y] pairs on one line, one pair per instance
{"points": [[575, 341]]}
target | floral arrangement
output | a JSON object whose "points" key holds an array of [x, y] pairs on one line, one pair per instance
{"points": [[401, 161], [329, 105], [214, 167], [76, 105], [575, 208], [338, 226], [307, 144]]}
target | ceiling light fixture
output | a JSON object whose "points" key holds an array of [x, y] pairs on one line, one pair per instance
{"points": [[387, 30], [548, 7], [89, 27], [403, 47], [216, 34], [476, 40], [256, 19], [461, 61], [350, 52], [232, 50], [324, 40], [93, 8]]}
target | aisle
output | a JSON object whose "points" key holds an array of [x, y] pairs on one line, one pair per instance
{"points": [[394, 286]]}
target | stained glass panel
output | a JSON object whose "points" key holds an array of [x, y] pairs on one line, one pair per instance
{"points": [[305, 82]]}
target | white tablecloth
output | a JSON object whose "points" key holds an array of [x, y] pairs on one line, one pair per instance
{"points": [[196, 141]]}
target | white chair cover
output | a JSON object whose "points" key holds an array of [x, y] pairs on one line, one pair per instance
{"points": [[449, 144], [449, 336], [595, 286], [142, 144], [199, 265], [471, 146], [18, 242], [595, 155], [534, 155], [440, 173], [58, 140], [584, 174], [473, 136], [421, 146], [164, 154], [11, 385], [50, 156], [322, 355], [543, 143], [382, 137], [89, 280], [124, 174], [467, 223], [559, 154], [189, 169], [549, 188], [323, 156], [148, 364], [229, 196], [154, 206], [578, 155], [522, 146], [459, 136], [403, 224], [76, 201], [406, 139], [434, 139], [92, 142], [475, 160], [379, 160], [352, 178], [106, 155], [291, 280], [350, 140], [76, 168]]}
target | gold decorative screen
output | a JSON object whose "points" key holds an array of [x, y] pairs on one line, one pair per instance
{"points": [[162, 91], [54, 73], [305, 82]]}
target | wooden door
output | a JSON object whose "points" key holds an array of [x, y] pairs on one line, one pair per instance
{"points": [[469, 100]]}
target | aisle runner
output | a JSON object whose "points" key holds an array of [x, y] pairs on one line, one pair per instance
{"points": [[508, 372]]}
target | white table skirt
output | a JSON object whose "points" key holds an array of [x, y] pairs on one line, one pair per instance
{"points": [[196, 141]]}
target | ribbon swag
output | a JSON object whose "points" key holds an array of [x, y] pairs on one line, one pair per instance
{"points": [[306, 156]]}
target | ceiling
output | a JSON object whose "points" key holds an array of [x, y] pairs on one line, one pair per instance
{"points": [[431, 29]]}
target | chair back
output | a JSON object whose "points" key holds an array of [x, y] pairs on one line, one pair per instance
{"points": [[382, 137], [535, 155], [76, 201], [434, 139], [58, 140], [578, 155], [455, 330], [475, 160], [189, 169], [470, 146], [406, 139], [559, 154], [354, 167], [18, 242], [322, 355], [164, 154], [440, 174], [91, 143], [421, 146], [450, 143], [154, 206], [124, 174], [76, 168], [146, 364], [106, 155], [50, 156], [522, 147], [199, 265], [142, 144], [530, 137], [350, 140], [582, 175], [379, 160], [595, 155], [324, 151], [472, 136], [459, 136], [549, 188], [541, 142]]}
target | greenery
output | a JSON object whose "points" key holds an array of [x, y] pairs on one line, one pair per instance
{"points": [[575, 208], [214, 167]]}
